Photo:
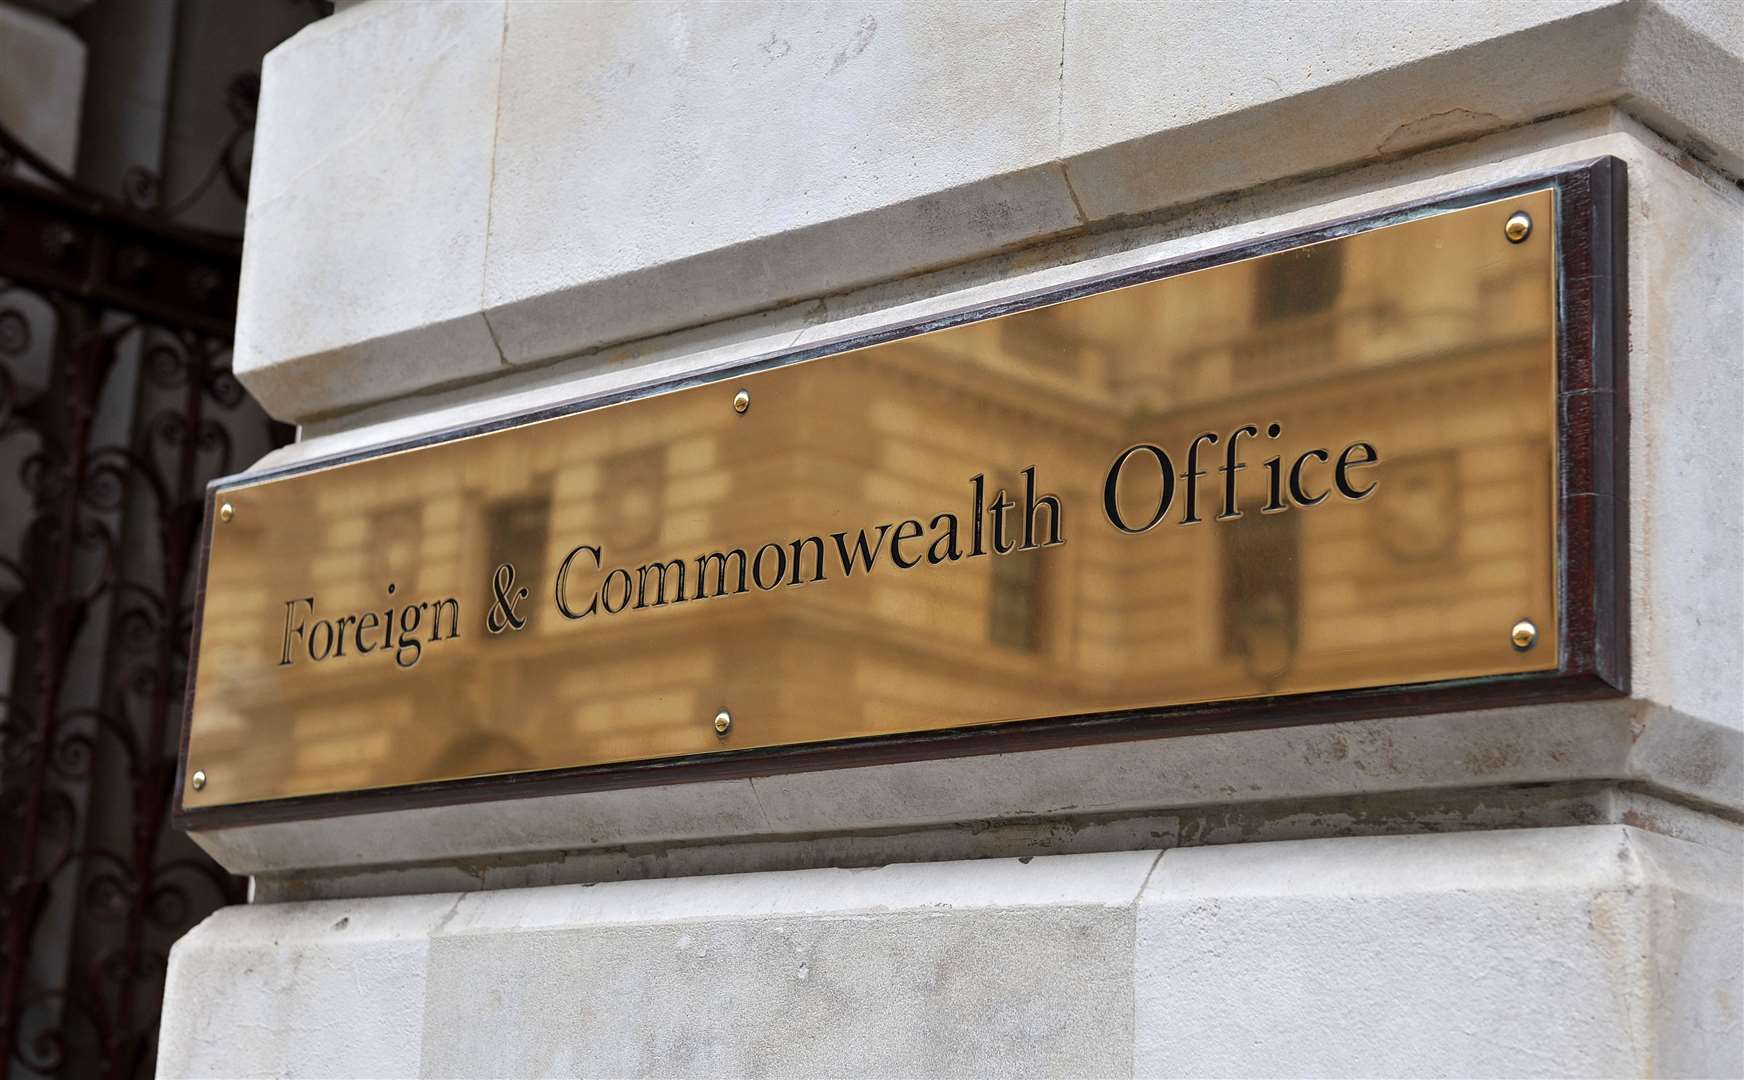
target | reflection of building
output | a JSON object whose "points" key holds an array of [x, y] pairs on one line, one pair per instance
{"points": [[1441, 366]]}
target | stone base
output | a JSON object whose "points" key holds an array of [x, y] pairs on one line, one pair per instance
{"points": [[1590, 951]]}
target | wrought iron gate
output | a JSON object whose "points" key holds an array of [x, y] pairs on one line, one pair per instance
{"points": [[117, 405]]}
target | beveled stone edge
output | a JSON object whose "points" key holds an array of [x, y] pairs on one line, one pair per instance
{"points": [[1608, 69], [825, 816]]}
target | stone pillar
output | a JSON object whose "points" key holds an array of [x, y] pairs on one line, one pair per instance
{"points": [[42, 83], [463, 212]]}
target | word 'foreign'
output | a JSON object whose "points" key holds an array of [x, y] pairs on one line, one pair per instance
{"points": [[328, 638]]}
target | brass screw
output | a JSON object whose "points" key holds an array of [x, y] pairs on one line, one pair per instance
{"points": [[199, 779], [226, 512], [741, 401], [1524, 635], [723, 723], [1519, 226]]}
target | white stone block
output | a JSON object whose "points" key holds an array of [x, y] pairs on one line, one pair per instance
{"points": [[1166, 103], [1547, 952], [330, 989], [977, 968], [1132, 69], [665, 163], [1686, 390], [1557, 952], [658, 167], [363, 261]]}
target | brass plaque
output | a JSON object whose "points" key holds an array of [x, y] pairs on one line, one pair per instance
{"points": [[1327, 468]]}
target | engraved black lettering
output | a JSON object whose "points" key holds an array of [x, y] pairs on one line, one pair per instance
{"points": [[294, 628], [718, 560], [321, 631], [1297, 491], [1032, 503], [1111, 488], [757, 574], [388, 623], [369, 621], [905, 530], [978, 483], [410, 618], [863, 553], [1341, 471], [1274, 476], [1230, 466], [947, 540], [605, 593], [816, 543], [450, 605], [676, 566], [1002, 504], [562, 591], [1190, 478], [339, 634], [323, 639]]}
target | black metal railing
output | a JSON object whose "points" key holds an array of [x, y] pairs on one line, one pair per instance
{"points": [[117, 405]]}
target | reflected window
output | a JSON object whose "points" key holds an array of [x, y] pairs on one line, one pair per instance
{"points": [[1418, 522], [1015, 614], [392, 549], [636, 497], [1301, 282], [1262, 591], [1049, 339]]}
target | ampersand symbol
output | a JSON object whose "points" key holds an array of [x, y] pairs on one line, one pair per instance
{"points": [[502, 613]]}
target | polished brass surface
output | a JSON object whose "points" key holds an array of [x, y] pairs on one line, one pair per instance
{"points": [[741, 401], [226, 512], [723, 723], [1524, 634], [1519, 226], [1390, 400], [199, 780]]}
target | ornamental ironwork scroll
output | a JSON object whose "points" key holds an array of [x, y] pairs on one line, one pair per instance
{"points": [[117, 405]]}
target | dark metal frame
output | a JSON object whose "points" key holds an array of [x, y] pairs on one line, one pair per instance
{"points": [[1592, 519], [79, 244]]}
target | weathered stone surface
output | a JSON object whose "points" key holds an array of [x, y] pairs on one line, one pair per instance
{"points": [[1560, 952], [364, 259], [714, 161], [987, 969], [984, 968], [1156, 97], [1575, 951], [617, 819], [1686, 374], [301, 990]]}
